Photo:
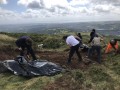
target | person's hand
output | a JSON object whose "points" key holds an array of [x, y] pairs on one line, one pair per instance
{"points": [[19, 49], [28, 56]]}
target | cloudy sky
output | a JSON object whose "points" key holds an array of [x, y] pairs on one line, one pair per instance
{"points": [[58, 11]]}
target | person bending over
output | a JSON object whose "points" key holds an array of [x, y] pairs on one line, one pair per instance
{"points": [[74, 47], [23, 43], [113, 43]]}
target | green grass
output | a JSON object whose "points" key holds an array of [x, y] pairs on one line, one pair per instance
{"points": [[12, 82], [95, 77]]}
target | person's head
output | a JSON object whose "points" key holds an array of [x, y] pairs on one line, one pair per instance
{"points": [[29, 41], [79, 34], [93, 30], [65, 37], [112, 41]]}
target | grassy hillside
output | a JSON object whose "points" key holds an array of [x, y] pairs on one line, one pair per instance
{"points": [[105, 76]]}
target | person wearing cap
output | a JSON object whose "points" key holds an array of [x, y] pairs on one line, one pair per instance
{"points": [[74, 47], [25, 42]]}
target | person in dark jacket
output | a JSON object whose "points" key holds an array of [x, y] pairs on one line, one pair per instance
{"points": [[79, 35], [80, 40], [74, 47], [92, 35], [23, 43]]}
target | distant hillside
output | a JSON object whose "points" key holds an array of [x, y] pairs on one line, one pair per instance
{"points": [[107, 28]]}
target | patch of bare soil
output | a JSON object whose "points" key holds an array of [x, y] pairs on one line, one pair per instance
{"points": [[61, 59], [53, 56], [7, 55]]}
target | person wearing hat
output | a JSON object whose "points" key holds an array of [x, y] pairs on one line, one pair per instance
{"points": [[25, 42], [74, 47]]}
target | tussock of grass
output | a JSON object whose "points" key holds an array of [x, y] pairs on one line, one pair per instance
{"points": [[98, 75], [116, 69], [6, 38], [12, 82]]}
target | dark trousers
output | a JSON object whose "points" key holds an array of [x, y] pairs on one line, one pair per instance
{"points": [[74, 49], [29, 50], [98, 50]]}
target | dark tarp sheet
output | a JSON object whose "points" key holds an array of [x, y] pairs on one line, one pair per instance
{"points": [[33, 68]]}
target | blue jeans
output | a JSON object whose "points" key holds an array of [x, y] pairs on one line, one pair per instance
{"points": [[98, 50]]}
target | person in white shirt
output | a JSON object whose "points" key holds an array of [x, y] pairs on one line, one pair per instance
{"points": [[74, 47]]}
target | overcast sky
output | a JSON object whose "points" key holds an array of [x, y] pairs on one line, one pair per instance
{"points": [[58, 11]]}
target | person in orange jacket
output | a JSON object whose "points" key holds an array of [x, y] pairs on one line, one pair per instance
{"points": [[112, 44]]}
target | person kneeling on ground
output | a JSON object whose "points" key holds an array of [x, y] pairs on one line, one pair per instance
{"points": [[23, 43], [113, 43], [74, 47], [95, 46]]}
